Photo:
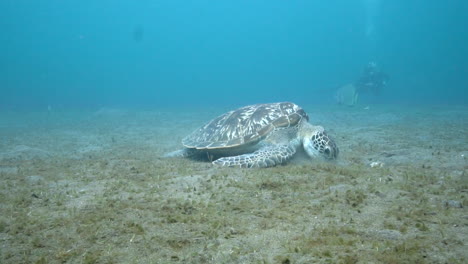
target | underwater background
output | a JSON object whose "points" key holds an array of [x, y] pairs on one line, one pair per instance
{"points": [[74, 54], [95, 95]]}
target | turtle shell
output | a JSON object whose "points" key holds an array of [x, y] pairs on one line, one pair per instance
{"points": [[246, 125]]}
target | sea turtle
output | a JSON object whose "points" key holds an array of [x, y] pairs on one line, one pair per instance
{"points": [[261, 135]]}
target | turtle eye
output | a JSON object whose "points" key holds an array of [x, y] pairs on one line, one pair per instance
{"points": [[327, 152]]}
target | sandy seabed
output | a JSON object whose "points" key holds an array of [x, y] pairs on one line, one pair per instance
{"points": [[91, 187]]}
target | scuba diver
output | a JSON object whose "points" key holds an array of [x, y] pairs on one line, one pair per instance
{"points": [[372, 80]]}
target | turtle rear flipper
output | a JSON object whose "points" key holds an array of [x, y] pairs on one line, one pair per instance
{"points": [[182, 153], [267, 156]]}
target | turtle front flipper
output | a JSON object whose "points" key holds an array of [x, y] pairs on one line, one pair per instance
{"points": [[267, 156]]}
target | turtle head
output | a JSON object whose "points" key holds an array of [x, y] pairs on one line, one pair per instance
{"points": [[317, 142]]}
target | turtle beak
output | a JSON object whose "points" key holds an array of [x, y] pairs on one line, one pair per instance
{"points": [[331, 150], [328, 147], [321, 143]]}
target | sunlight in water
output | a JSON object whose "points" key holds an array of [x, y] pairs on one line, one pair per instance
{"points": [[372, 10]]}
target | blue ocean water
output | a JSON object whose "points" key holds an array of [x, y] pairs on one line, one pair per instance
{"points": [[155, 53]]}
